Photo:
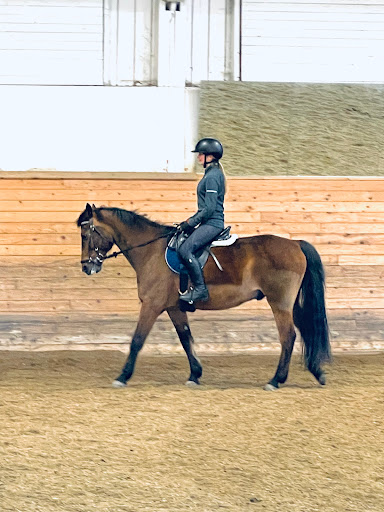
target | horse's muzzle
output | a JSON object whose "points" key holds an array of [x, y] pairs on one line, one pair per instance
{"points": [[91, 268]]}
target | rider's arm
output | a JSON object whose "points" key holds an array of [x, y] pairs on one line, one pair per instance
{"points": [[211, 193]]}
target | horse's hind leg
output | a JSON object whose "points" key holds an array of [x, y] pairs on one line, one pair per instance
{"points": [[145, 323], [287, 334], [180, 321]]}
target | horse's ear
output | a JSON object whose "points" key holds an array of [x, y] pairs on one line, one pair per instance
{"points": [[88, 209]]}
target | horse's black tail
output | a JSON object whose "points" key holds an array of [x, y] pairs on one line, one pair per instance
{"points": [[310, 314]]}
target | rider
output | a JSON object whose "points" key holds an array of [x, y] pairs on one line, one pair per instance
{"points": [[205, 225]]}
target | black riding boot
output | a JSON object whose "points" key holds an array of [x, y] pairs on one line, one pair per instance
{"points": [[199, 291]]}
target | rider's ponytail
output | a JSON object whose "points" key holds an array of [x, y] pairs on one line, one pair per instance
{"points": [[225, 176]]}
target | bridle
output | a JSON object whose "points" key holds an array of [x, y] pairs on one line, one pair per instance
{"points": [[101, 257]]}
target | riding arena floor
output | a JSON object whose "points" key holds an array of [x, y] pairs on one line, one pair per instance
{"points": [[69, 442]]}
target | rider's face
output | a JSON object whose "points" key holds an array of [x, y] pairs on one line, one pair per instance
{"points": [[200, 158]]}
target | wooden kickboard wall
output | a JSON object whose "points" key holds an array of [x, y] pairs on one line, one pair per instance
{"points": [[46, 302]]}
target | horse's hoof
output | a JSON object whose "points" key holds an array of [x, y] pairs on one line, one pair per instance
{"points": [[191, 383], [322, 379], [269, 387], [118, 385]]}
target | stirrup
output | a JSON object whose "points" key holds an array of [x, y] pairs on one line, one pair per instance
{"points": [[189, 296]]}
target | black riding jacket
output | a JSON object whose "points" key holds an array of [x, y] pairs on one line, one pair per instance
{"points": [[210, 198]]}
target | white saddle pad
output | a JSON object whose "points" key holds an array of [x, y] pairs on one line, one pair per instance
{"points": [[232, 239]]}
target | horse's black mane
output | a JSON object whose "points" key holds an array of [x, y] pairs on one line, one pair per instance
{"points": [[132, 218], [128, 217]]}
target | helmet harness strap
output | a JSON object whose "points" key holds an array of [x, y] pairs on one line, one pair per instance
{"points": [[210, 162]]}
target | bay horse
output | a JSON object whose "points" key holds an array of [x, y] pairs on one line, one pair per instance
{"points": [[288, 273]]}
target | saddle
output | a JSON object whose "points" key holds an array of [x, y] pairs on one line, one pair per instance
{"points": [[175, 264], [171, 253]]}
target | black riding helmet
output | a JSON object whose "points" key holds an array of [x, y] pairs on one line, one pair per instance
{"points": [[209, 146]]}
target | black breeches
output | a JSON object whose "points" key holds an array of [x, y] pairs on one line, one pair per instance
{"points": [[200, 237]]}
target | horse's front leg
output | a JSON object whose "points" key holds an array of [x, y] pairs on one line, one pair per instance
{"points": [[145, 323], [180, 321]]}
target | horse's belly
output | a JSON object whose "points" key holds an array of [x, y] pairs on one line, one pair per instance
{"points": [[226, 297]]}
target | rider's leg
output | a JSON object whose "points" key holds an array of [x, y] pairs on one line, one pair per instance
{"points": [[202, 236], [199, 291]]}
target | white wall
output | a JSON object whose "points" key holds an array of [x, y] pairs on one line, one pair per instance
{"points": [[313, 41], [150, 129], [51, 42]]}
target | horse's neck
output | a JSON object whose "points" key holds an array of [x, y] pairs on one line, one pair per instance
{"points": [[128, 236], [133, 236]]}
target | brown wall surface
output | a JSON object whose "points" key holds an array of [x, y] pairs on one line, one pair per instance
{"points": [[296, 129], [46, 302]]}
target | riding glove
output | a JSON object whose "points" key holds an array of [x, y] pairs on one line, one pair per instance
{"points": [[187, 228]]}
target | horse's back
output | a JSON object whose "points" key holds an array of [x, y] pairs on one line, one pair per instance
{"points": [[258, 255], [272, 265], [270, 250]]}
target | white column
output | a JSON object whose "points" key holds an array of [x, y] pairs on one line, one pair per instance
{"points": [[191, 125], [233, 39], [171, 73], [110, 41], [172, 46]]}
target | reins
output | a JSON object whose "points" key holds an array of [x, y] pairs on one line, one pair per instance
{"points": [[116, 253], [101, 257]]}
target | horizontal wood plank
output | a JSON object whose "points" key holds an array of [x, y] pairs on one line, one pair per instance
{"points": [[100, 196], [53, 293], [323, 218], [139, 181], [190, 206]]}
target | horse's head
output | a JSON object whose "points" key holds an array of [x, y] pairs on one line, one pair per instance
{"points": [[96, 239]]}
